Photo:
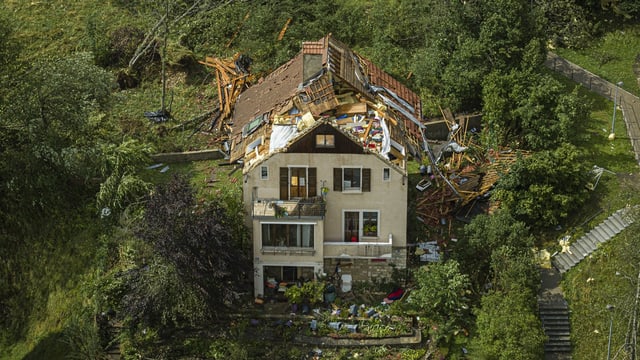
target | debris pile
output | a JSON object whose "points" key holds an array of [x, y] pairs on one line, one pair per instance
{"points": [[461, 172]]}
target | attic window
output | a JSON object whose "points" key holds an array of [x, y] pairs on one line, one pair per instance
{"points": [[325, 141], [254, 124], [386, 174]]}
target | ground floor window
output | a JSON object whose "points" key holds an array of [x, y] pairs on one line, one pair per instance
{"points": [[288, 274]]}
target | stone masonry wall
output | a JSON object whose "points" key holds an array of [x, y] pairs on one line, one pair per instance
{"points": [[369, 269]]}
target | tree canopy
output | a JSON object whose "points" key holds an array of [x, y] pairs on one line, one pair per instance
{"points": [[197, 240], [508, 327], [544, 188]]}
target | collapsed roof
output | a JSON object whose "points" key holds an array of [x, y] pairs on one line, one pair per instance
{"points": [[325, 83]]}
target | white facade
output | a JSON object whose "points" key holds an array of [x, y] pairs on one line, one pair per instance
{"points": [[357, 224]]}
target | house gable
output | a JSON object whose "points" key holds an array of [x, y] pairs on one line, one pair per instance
{"points": [[342, 144]]}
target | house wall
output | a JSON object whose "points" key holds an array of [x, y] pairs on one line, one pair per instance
{"points": [[387, 197]]}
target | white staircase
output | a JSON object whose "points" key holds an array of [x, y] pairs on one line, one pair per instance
{"points": [[584, 246]]}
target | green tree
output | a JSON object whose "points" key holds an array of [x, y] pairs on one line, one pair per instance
{"points": [[465, 41], [119, 168], [49, 132], [485, 235], [544, 188], [441, 292], [527, 110], [568, 24], [514, 268], [508, 327]]}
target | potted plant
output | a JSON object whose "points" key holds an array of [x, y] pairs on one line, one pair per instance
{"points": [[309, 293]]}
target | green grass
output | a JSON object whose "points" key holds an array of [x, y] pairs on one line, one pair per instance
{"points": [[55, 277], [593, 284], [611, 57], [56, 27]]}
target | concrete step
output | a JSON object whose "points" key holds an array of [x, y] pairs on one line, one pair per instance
{"points": [[592, 238], [589, 242], [555, 316], [559, 309], [557, 334], [616, 222], [575, 255], [582, 248], [605, 230], [600, 235], [556, 325], [553, 348], [562, 263], [609, 225]]}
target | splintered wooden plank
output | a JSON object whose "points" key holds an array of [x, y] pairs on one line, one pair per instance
{"points": [[354, 108]]}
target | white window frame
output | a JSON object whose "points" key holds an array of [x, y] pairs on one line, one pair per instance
{"points": [[386, 174], [350, 188], [361, 224], [264, 169]]}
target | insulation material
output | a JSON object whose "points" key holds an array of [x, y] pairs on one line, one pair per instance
{"points": [[280, 136], [386, 139], [306, 121]]}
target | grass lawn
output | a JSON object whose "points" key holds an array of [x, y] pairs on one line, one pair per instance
{"points": [[611, 57], [592, 285]]}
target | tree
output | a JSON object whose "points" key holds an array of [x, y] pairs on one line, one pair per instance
{"points": [[441, 292], [49, 124], [514, 268], [567, 23], [485, 235], [197, 240], [119, 167], [544, 188], [508, 327], [527, 110], [465, 41], [155, 295]]}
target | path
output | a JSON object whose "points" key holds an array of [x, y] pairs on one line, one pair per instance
{"points": [[629, 103]]}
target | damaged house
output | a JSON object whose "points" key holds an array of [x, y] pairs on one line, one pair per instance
{"points": [[324, 141]]}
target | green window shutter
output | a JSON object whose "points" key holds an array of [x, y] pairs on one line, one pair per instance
{"points": [[313, 187], [366, 180], [337, 179], [284, 183]]}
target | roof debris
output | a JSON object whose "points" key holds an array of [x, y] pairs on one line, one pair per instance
{"points": [[325, 83], [464, 172]]}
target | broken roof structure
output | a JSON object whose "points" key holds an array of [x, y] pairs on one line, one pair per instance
{"points": [[463, 173], [326, 83]]}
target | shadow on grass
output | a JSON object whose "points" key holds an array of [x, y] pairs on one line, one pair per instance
{"points": [[51, 347]]}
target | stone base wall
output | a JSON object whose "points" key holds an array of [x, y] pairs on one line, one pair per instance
{"points": [[369, 269]]}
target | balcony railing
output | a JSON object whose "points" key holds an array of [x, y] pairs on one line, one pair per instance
{"points": [[288, 250], [357, 250], [309, 207]]}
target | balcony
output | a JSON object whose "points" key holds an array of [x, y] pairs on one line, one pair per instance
{"points": [[288, 209]]}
